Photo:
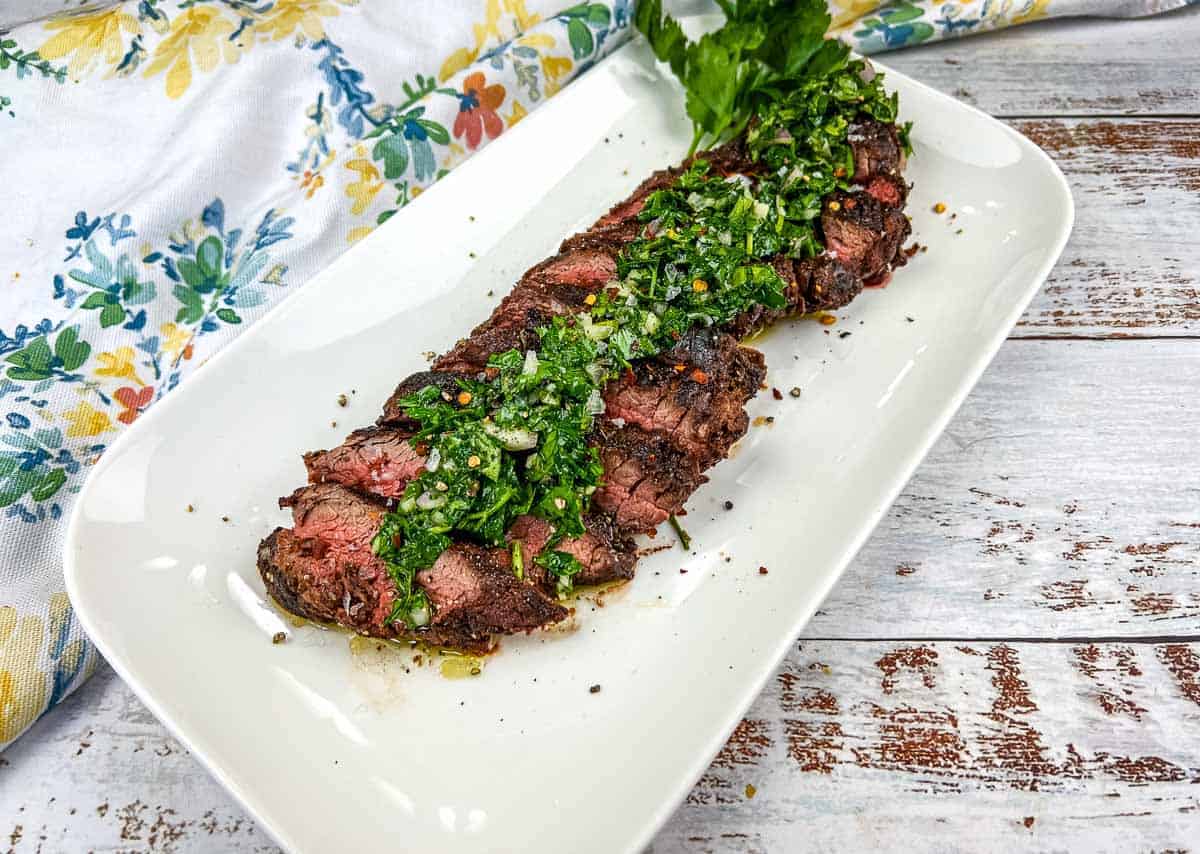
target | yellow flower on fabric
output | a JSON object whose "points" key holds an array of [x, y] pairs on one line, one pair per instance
{"points": [[287, 16], [175, 340], [1036, 9], [845, 11], [22, 684], [119, 364], [86, 420], [358, 233], [554, 68], [518, 113], [70, 659], [537, 40], [368, 185], [89, 36], [202, 31], [521, 18]]}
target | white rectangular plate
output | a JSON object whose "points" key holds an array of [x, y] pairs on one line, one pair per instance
{"points": [[340, 749]]}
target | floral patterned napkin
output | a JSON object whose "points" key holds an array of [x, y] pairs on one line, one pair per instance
{"points": [[173, 168], [872, 26]]}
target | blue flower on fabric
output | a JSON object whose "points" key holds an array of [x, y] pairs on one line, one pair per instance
{"points": [[409, 138]]}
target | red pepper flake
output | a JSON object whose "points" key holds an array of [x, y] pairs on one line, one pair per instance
{"points": [[777, 394], [850, 203], [762, 570], [699, 376]]}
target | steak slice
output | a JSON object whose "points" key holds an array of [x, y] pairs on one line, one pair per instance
{"points": [[377, 460], [444, 381], [862, 233], [693, 394], [342, 521], [876, 148], [814, 284], [473, 590], [646, 477], [602, 551], [555, 287], [306, 580], [889, 190]]}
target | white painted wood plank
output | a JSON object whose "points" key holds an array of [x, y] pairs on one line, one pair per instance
{"points": [[1063, 500], [1080, 66], [102, 774], [1132, 266], [959, 747], [853, 745]]}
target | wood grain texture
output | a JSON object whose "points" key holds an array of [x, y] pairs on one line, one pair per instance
{"points": [[102, 774], [1132, 266], [1077, 67], [959, 746], [1062, 500]]}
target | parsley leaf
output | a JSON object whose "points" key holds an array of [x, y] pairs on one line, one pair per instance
{"points": [[762, 51]]}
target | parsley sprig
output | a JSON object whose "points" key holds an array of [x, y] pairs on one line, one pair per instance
{"points": [[763, 51]]}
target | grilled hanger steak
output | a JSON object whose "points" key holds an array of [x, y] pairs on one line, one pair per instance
{"points": [[587, 408]]}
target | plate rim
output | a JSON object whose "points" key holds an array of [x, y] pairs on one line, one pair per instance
{"points": [[668, 804]]}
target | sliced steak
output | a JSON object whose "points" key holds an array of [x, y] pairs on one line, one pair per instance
{"points": [[888, 190], [610, 237], [603, 552], [310, 582], [861, 233], [814, 284], [376, 460], [646, 477], [340, 519], [473, 589], [667, 419], [693, 394], [632, 206], [876, 148], [472, 353], [556, 287]]}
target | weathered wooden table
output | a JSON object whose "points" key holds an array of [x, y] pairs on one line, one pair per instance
{"points": [[1013, 662]]}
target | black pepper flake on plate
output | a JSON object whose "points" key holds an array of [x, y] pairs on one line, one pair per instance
{"points": [[279, 637], [795, 392], [844, 334], [595, 689], [728, 505], [342, 400]]}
